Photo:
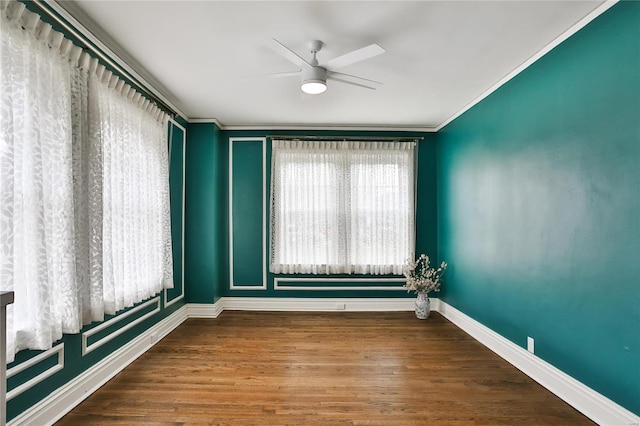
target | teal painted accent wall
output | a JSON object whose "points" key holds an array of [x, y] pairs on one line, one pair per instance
{"points": [[248, 196], [74, 363], [539, 207], [205, 249], [247, 215], [426, 199]]}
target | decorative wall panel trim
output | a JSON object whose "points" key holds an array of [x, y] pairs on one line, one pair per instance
{"points": [[168, 302], [289, 284], [56, 350], [232, 284], [86, 347]]}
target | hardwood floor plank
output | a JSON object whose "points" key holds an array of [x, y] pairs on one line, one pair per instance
{"points": [[290, 368]]}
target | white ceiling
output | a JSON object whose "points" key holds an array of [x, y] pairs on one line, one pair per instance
{"points": [[204, 56]]}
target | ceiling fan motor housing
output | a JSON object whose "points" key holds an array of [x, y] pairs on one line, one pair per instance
{"points": [[315, 74]]}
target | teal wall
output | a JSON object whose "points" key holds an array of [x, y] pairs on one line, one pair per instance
{"points": [[207, 232], [74, 362], [205, 254], [539, 207]]}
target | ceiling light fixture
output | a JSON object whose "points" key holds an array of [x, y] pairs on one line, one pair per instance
{"points": [[313, 87], [314, 80]]}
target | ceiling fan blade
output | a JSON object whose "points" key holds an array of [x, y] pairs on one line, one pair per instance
{"points": [[281, 74], [353, 57], [287, 53], [352, 83], [353, 78]]}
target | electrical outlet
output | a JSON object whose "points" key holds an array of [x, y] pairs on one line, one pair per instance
{"points": [[530, 345]]}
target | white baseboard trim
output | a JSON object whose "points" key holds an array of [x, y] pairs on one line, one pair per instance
{"points": [[62, 400], [292, 304], [592, 404], [205, 310], [317, 304]]}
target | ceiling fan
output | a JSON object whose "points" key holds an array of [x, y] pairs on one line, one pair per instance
{"points": [[314, 76]]}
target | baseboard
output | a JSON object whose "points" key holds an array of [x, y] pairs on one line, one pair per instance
{"points": [[205, 310], [305, 305], [592, 404], [292, 304], [62, 400]]}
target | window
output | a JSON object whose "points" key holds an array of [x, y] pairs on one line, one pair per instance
{"points": [[341, 207]]}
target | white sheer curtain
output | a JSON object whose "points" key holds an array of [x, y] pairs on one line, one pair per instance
{"points": [[36, 187], [136, 234], [84, 211], [341, 207]]}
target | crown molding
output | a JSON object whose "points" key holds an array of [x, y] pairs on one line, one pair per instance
{"points": [[309, 127], [365, 128], [206, 121]]}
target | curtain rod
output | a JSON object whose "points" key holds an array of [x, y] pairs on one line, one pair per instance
{"points": [[80, 37], [347, 138]]}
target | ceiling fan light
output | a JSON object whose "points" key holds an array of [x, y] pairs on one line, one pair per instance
{"points": [[313, 87], [314, 80]]}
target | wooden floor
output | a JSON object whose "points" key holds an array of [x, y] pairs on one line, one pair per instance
{"points": [[267, 368]]}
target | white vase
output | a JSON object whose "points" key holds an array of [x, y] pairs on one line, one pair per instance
{"points": [[423, 306]]}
